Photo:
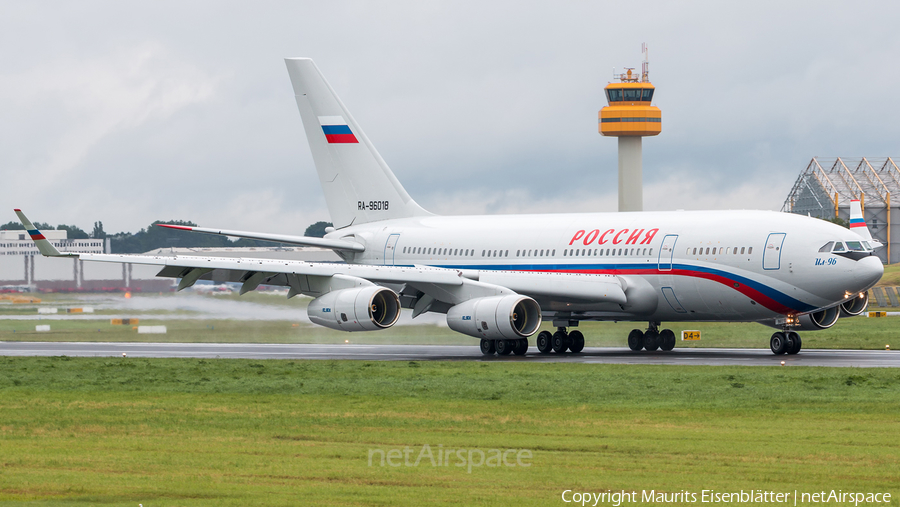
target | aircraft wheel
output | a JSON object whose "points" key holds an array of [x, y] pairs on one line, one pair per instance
{"points": [[560, 342], [651, 340], [505, 347], [521, 347], [576, 341], [778, 343], [544, 342], [636, 340], [666, 340], [795, 341], [487, 347]]}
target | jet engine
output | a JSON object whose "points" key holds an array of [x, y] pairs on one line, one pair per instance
{"points": [[496, 318], [359, 309], [855, 306], [822, 319]]}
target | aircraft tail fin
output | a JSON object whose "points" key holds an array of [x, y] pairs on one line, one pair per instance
{"points": [[858, 223], [359, 186]]}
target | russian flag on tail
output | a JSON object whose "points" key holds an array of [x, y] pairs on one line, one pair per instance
{"points": [[336, 130]]}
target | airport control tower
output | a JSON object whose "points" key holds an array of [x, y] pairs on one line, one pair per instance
{"points": [[629, 116]]}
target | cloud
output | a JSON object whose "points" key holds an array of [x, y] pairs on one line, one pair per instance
{"points": [[126, 114]]}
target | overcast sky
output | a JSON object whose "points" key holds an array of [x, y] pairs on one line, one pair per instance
{"points": [[128, 112]]}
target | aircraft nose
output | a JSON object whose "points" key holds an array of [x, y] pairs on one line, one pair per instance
{"points": [[867, 272]]}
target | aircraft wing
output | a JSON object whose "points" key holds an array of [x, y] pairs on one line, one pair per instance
{"points": [[335, 244], [316, 278]]}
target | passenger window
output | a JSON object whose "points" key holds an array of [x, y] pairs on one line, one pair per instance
{"points": [[482, 253], [542, 253], [651, 251], [707, 250], [742, 250], [695, 252], [838, 247], [554, 252], [827, 247], [735, 250], [750, 250], [429, 251]]}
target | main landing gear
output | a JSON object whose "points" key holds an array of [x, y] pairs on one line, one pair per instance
{"points": [[785, 342], [560, 341], [652, 339], [504, 347]]}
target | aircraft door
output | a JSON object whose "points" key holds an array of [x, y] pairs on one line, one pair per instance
{"points": [[667, 252], [772, 252], [389, 247]]}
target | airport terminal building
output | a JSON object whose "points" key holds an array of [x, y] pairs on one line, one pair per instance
{"points": [[827, 186]]}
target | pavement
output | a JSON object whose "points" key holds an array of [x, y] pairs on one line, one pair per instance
{"points": [[685, 356]]}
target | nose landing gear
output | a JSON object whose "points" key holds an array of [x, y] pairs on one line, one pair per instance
{"points": [[785, 342]]}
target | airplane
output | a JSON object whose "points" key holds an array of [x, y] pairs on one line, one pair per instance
{"points": [[497, 277]]}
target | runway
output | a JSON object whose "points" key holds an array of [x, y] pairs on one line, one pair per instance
{"points": [[711, 357]]}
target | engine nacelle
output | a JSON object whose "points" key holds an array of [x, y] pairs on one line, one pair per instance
{"points": [[360, 309], [822, 319], [496, 317], [855, 306]]}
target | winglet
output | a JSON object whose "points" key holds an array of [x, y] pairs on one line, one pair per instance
{"points": [[858, 224], [45, 247]]}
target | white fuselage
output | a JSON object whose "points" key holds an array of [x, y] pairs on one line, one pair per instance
{"points": [[709, 265]]}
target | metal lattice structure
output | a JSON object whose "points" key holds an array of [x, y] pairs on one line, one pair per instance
{"points": [[826, 187]]}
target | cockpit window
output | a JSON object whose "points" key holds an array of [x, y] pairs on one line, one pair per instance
{"points": [[838, 247], [855, 246], [868, 246], [827, 247]]}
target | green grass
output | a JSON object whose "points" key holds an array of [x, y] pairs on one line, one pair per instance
{"points": [[248, 432], [891, 275]]}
